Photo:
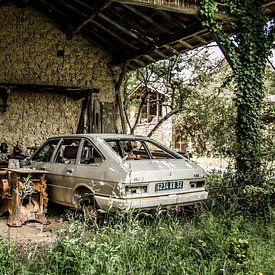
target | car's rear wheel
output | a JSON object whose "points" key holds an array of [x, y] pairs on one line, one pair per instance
{"points": [[86, 201]]}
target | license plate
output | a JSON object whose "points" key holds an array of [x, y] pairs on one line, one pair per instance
{"points": [[169, 185]]}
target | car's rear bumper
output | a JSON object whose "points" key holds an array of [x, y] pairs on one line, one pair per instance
{"points": [[173, 200]]}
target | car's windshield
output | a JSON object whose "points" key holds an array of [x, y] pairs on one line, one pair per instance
{"points": [[139, 149]]}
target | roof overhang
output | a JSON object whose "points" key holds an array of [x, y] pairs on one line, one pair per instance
{"points": [[135, 31]]}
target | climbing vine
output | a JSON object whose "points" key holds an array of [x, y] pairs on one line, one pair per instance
{"points": [[247, 52]]}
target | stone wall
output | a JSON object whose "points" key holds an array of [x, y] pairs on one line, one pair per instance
{"points": [[29, 47], [163, 134]]}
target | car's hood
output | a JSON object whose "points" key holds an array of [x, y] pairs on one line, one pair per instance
{"points": [[161, 170]]}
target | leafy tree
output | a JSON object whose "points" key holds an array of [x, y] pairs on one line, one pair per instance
{"points": [[209, 118], [247, 52], [177, 76]]}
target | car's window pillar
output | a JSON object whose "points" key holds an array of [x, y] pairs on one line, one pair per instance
{"points": [[44, 154], [147, 149], [95, 155], [70, 153]]}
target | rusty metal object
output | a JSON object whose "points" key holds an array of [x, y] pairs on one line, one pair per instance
{"points": [[24, 196], [5, 189]]}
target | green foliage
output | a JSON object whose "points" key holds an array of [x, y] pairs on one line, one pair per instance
{"points": [[176, 77], [228, 197], [238, 250], [247, 52], [7, 256], [208, 244], [208, 118]]}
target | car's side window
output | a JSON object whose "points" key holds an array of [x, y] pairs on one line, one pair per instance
{"points": [[90, 155], [46, 152], [67, 152]]}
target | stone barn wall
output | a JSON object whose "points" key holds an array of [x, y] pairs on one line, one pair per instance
{"points": [[29, 43]]}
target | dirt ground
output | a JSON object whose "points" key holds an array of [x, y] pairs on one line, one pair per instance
{"points": [[33, 231]]}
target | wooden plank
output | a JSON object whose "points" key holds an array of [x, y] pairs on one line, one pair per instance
{"points": [[91, 17], [201, 39], [186, 44], [69, 7], [196, 28], [172, 6], [147, 18], [109, 117], [123, 29], [171, 49], [116, 36], [170, 19]]}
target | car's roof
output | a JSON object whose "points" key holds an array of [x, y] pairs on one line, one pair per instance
{"points": [[105, 135]]}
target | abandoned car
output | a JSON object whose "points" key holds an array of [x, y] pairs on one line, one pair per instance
{"points": [[113, 171]]}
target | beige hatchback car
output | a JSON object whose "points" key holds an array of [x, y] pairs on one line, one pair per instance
{"points": [[113, 171]]}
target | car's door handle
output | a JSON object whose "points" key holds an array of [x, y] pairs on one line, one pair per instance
{"points": [[69, 170]]}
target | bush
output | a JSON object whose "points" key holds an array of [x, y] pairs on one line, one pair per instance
{"points": [[228, 196]]}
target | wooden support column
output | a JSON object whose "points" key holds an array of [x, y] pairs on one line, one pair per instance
{"points": [[119, 99], [148, 108], [158, 105], [224, 51]]}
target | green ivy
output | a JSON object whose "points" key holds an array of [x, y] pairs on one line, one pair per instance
{"points": [[247, 52]]}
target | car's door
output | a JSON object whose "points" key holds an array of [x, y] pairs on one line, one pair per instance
{"points": [[92, 170], [44, 155], [62, 168]]}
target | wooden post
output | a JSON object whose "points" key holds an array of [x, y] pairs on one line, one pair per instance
{"points": [[148, 108], [118, 97], [158, 105]]}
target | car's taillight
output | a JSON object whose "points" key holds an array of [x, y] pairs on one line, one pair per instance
{"points": [[197, 184], [135, 190]]}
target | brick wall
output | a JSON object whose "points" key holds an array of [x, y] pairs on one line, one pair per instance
{"points": [[29, 43]]}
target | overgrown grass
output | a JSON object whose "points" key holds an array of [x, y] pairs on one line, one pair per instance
{"points": [[165, 244]]}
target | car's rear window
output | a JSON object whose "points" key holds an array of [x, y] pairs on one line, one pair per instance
{"points": [[130, 149]]}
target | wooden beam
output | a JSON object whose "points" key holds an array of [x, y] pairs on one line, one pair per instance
{"points": [[122, 29], [83, 4], [69, 7], [171, 49], [201, 39], [91, 17], [170, 19], [108, 43], [158, 52], [5, 2], [52, 7], [182, 7], [150, 58], [74, 92], [116, 36], [183, 34], [147, 18], [186, 44]]}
